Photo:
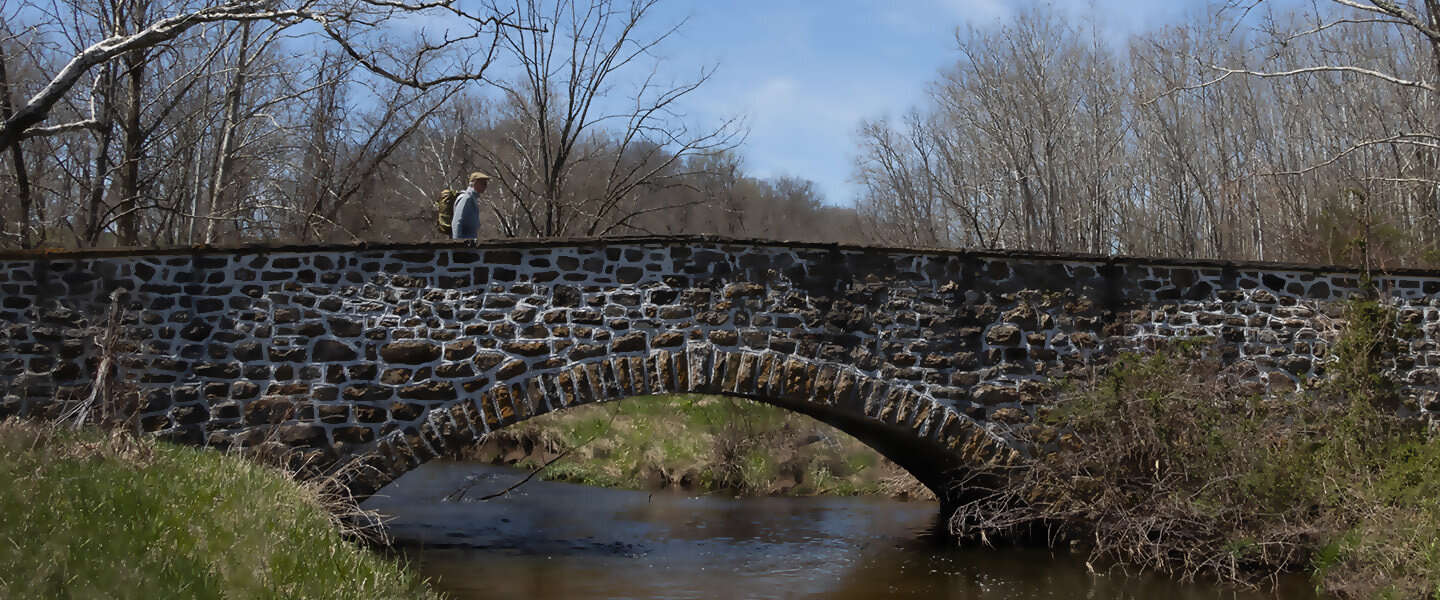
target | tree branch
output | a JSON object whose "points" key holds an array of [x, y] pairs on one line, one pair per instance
{"points": [[1391, 9], [1327, 69], [1411, 139], [350, 13]]}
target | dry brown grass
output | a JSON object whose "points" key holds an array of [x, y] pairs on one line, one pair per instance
{"points": [[1163, 463], [60, 441]]}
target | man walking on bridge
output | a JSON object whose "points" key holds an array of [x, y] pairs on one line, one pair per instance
{"points": [[465, 225]]}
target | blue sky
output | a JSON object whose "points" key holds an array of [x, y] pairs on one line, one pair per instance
{"points": [[805, 73]]}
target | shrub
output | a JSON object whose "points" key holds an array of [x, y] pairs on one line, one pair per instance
{"points": [[1163, 461]]}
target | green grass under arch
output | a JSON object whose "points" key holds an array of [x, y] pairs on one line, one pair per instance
{"points": [[700, 443]]}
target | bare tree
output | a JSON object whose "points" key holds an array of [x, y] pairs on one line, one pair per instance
{"points": [[1022, 145], [909, 193], [168, 120], [1246, 131], [708, 193], [17, 159], [1378, 139], [573, 156], [355, 26]]}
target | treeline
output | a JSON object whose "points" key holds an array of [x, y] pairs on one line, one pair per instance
{"points": [[341, 120], [1242, 133]]}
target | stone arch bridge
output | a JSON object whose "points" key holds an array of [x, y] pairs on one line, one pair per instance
{"points": [[377, 358]]}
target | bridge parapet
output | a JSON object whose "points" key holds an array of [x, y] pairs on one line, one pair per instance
{"points": [[385, 356]]}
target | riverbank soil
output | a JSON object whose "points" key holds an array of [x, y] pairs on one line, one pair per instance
{"points": [[696, 443], [93, 514]]}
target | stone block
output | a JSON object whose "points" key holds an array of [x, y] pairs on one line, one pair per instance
{"points": [[413, 352], [584, 351], [355, 434], [269, 409], [396, 376], [226, 370], [1003, 335], [488, 360], [429, 390], [630, 342], [524, 348], [511, 368], [824, 392], [332, 351], [460, 350], [661, 377], [727, 373]]}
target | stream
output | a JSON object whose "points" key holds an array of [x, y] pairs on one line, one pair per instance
{"points": [[550, 540]]}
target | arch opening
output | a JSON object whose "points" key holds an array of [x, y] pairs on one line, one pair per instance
{"points": [[695, 443], [941, 448]]}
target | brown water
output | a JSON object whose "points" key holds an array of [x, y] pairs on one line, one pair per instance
{"points": [[563, 541]]}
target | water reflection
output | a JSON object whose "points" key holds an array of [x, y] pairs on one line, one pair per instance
{"points": [[561, 541]]}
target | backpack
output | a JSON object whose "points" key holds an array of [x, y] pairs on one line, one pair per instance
{"points": [[445, 211]]}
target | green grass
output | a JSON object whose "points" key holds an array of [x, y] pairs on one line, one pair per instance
{"points": [[707, 443], [98, 515]]}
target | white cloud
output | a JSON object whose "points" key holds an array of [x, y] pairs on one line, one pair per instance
{"points": [[930, 15], [802, 124], [773, 93]]}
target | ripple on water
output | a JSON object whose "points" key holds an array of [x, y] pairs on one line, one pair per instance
{"points": [[562, 541]]}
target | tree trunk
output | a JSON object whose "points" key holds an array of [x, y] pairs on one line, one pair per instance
{"points": [[131, 145], [225, 156], [17, 156]]}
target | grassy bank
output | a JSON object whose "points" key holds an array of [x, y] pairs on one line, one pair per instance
{"points": [[100, 515], [701, 443], [1169, 462]]}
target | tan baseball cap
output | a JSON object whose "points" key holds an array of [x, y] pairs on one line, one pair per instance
{"points": [[477, 175]]}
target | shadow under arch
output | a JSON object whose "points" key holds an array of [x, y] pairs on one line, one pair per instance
{"points": [[945, 450]]}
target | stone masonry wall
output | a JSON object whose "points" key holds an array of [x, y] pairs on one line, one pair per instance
{"points": [[382, 357]]}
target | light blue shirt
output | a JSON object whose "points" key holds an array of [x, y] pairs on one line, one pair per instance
{"points": [[465, 225]]}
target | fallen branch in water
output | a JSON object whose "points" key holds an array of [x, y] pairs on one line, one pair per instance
{"points": [[527, 477], [459, 493]]}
